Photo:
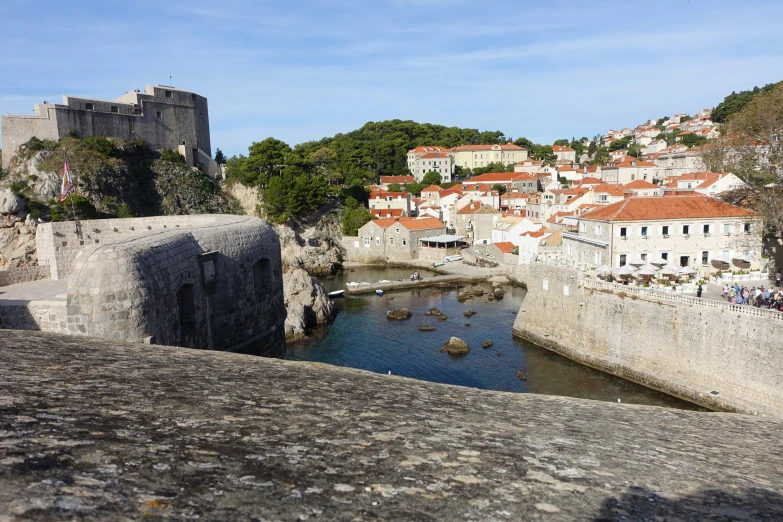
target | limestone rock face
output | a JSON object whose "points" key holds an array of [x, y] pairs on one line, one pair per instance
{"points": [[10, 203], [318, 253], [307, 303], [456, 346], [398, 315]]}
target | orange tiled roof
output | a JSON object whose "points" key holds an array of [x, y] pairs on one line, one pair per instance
{"points": [[432, 188], [560, 148], [494, 177], [640, 184], [431, 155], [505, 246], [411, 223], [425, 149], [613, 190], [386, 212], [667, 207], [396, 179]]}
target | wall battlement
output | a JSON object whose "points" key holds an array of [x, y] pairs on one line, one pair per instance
{"points": [[715, 354]]}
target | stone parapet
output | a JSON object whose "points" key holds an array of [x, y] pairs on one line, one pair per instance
{"points": [[102, 430], [23, 275]]}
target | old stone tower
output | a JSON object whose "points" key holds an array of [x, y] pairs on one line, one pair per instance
{"points": [[162, 116]]}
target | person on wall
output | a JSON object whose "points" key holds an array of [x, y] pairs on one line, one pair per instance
{"points": [[698, 292]]}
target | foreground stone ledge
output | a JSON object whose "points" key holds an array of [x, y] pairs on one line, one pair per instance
{"points": [[101, 430]]}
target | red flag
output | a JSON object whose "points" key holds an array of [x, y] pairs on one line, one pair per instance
{"points": [[67, 186]]}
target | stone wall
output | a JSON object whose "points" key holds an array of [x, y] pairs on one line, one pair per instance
{"points": [[46, 316], [59, 243], [23, 274], [209, 285], [681, 345]]}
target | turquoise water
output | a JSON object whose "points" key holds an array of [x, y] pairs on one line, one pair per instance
{"points": [[361, 337]]}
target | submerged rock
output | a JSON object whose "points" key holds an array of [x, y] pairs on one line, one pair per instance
{"points": [[463, 296], [486, 344], [456, 347], [478, 292], [433, 311], [398, 315], [425, 328], [442, 317], [498, 293], [521, 375], [469, 313]]}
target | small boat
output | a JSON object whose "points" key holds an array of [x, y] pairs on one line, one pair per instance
{"points": [[384, 281], [336, 294], [379, 292], [439, 263], [352, 284]]}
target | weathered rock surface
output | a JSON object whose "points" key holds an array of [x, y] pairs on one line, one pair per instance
{"points": [[17, 235], [10, 203], [316, 251], [306, 302], [398, 315], [486, 344], [456, 347], [425, 328], [433, 311], [98, 430], [469, 313], [498, 293]]}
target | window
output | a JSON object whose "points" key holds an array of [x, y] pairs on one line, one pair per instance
{"points": [[643, 231], [624, 232], [262, 277], [404, 241], [747, 228], [684, 260], [88, 106], [168, 94], [665, 230], [569, 249], [727, 229], [598, 258], [706, 230], [665, 256], [705, 257], [136, 110], [644, 257], [391, 240], [598, 230], [159, 114], [367, 241], [114, 108], [622, 259], [686, 230], [582, 227], [377, 241]]}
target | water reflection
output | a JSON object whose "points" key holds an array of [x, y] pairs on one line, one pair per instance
{"points": [[362, 337]]}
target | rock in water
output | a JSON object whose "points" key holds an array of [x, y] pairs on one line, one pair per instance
{"points": [[521, 375], [398, 315], [478, 292], [306, 302], [433, 311], [498, 293], [486, 344], [425, 328], [469, 313], [462, 296], [456, 347]]}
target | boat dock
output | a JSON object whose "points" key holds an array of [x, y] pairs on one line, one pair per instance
{"points": [[443, 280]]}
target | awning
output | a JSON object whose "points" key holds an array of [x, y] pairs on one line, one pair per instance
{"points": [[442, 239]]}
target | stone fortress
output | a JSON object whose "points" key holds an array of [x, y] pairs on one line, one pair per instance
{"points": [[204, 281], [164, 117]]}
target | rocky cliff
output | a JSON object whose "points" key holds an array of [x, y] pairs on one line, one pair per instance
{"points": [[17, 232], [307, 303], [100, 430]]}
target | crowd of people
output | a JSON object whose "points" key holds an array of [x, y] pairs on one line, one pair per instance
{"points": [[771, 298]]}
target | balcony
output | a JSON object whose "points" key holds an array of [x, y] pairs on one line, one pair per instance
{"points": [[665, 236], [686, 235], [624, 238]]}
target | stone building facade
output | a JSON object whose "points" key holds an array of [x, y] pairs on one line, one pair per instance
{"points": [[392, 239], [164, 117], [207, 281]]}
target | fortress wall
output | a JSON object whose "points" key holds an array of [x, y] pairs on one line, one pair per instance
{"points": [[59, 243], [17, 130], [680, 345], [23, 275], [46, 316], [199, 287]]}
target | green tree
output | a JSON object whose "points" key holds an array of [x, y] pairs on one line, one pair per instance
{"points": [[736, 101], [562, 143], [525, 144], [63, 211], [220, 158], [354, 217], [414, 188], [431, 178], [692, 140], [592, 148], [266, 159], [326, 163], [546, 155], [394, 187], [635, 150], [601, 156], [620, 144], [500, 188]]}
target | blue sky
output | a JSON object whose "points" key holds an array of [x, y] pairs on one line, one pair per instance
{"points": [[301, 70]]}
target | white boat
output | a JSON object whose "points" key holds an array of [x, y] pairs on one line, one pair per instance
{"points": [[352, 284], [379, 292], [454, 258], [384, 281], [336, 293]]}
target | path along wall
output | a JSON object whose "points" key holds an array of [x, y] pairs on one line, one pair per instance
{"points": [[681, 345]]}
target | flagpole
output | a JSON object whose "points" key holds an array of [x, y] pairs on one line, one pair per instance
{"points": [[73, 207]]}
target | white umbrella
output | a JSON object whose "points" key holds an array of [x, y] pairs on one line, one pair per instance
{"points": [[645, 272], [742, 258], [604, 269], [659, 261], [637, 261], [670, 269], [623, 271], [686, 270], [650, 267], [722, 259]]}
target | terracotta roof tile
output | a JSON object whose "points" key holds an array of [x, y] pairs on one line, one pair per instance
{"points": [[505, 246], [667, 207], [396, 179]]}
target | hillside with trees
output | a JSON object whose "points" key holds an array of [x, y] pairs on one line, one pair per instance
{"points": [[736, 101]]}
